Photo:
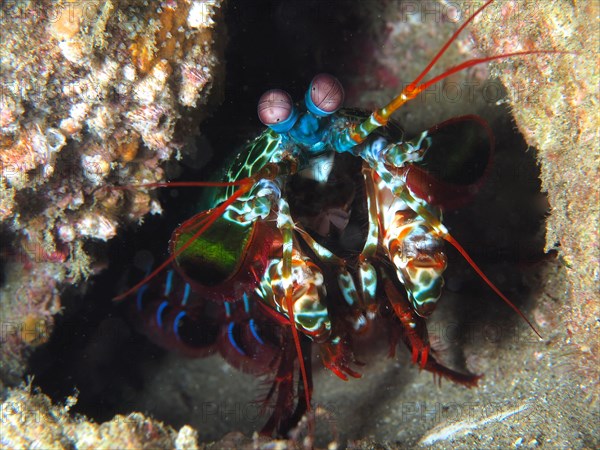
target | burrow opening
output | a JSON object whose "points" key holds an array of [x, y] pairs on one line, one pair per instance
{"points": [[95, 347]]}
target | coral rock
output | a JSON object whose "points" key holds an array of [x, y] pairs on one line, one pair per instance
{"points": [[92, 93]]}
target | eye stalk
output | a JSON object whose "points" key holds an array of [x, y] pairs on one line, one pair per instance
{"points": [[276, 110], [325, 95]]}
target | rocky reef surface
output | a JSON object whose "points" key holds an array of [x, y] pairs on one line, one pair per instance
{"points": [[30, 420], [554, 102], [94, 94], [537, 217]]}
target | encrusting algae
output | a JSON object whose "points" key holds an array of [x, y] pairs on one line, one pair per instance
{"points": [[30, 420], [92, 95]]}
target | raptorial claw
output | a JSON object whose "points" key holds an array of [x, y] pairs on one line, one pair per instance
{"points": [[420, 355], [336, 357]]}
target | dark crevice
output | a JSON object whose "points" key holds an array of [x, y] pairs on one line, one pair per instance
{"points": [[96, 349]]}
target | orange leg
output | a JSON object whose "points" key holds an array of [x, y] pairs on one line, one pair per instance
{"points": [[416, 339]]}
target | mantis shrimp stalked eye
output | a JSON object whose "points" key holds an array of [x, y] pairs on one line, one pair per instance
{"points": [[276, 110], [325, 95]]}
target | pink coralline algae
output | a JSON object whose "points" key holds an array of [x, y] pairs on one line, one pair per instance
{"points": [[92, 93], [31, 420]]}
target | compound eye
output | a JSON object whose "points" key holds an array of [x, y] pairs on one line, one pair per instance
{"points": [[276, 110], [325, 95]]}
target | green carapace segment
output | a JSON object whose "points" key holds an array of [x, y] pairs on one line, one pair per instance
{"points": [[217, 254], [245, 164]]}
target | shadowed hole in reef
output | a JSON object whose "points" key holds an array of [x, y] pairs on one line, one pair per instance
{"points": [[96, 350]]}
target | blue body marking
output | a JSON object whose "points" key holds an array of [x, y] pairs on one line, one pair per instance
{"points": [[309, 132], [179, 316], [169, 283], [255, 332], [138, 300], [159, 312], [246, 304], [186, 294], [232, 339]]}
